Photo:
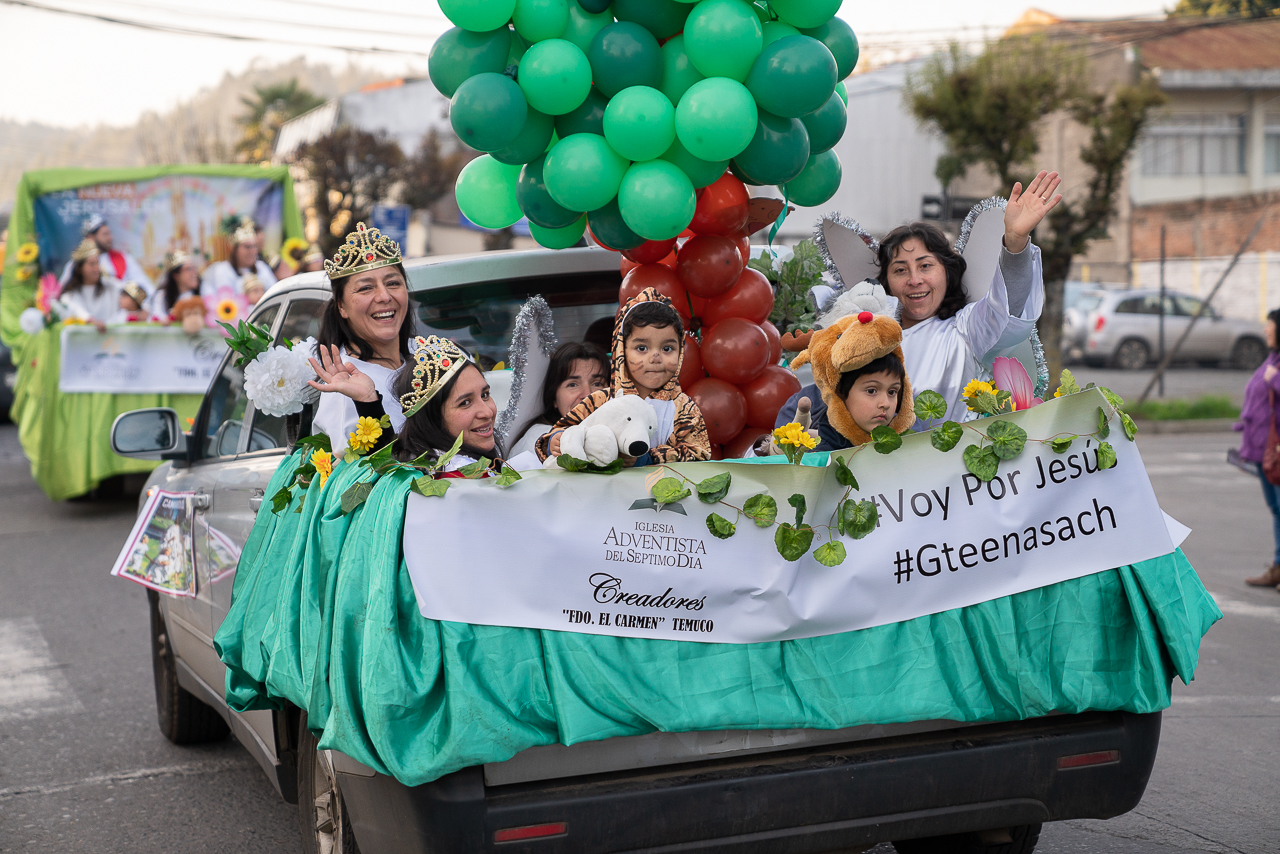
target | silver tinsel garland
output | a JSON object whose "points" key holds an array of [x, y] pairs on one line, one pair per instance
{"points": [[820, 239], [534, 310], [966, 227]]}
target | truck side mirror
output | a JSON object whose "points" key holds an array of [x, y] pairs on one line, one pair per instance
{"points": [[147, 434]]}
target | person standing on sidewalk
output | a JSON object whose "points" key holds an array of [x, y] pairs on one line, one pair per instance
{"points": [[1260, 397]]}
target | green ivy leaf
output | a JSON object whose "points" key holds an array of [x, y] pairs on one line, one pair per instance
{"points": [[792, 542], [1067, 384], [448, 455], [858, 518], [1063, 444], [797, 501], [984, 402], [478, 469], [378, 458], [1007, 439], [1003, 399], [930, 405], [508, 476], [886, 439], [669, 490], [569, 463], [830, 554], [714, 488], [385, 421], [1130, 429], [761, 509], [281, 500], [1106, 455], [720, 527], [1104, 429], [981, 462], [1114, 399], [356, 495], [429, 486], [844, 475], [316, 442], [946, 436]]}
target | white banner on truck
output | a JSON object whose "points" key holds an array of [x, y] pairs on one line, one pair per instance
{"points": [[131, 359], [590, 553]]}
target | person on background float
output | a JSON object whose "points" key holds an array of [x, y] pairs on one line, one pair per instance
{"points": [[313, 261], [181, 278], [115, 263], [577, 370], [251, 287], [244, 261], [131, 301], [648, 348], [91, 296], [1260, 409]]}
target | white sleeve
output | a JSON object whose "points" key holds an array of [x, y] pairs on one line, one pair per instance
{"points": [[336, 418], [134, 272], [986, 324], [265, 275]]}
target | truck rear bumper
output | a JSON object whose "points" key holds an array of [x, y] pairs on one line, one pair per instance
{"points": [[792, 802]]}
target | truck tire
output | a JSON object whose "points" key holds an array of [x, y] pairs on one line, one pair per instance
{"points": [[1131, 355], [322, 814], [1248, 353], [1023, 839], [183, 719]]}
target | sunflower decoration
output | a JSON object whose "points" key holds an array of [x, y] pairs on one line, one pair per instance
{"points": [[27, 253], [227, 310], [366, 435], [293, 252]]}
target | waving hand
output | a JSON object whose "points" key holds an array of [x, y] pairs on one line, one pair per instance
{"points": [[1027, 207]]}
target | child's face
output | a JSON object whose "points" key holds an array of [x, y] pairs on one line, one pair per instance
{"points": [[873, 400], [653, 357]]}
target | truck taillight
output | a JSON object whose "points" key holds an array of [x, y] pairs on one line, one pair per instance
{"points": [[533, 831], [1085, 760], [1099, 323]]}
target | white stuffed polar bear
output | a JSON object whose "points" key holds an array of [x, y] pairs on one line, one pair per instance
{"points": [[622, 426]]}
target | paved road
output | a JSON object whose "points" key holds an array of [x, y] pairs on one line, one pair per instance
{"points": [[83, 767], [1182, 382]]}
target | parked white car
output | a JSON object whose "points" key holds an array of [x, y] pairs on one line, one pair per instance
{"points": [[1122, 330]]}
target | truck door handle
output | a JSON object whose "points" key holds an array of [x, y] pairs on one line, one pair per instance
{"points": [[255, 503], [201, 501]]}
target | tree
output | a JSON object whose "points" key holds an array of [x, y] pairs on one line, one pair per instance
{"points": [[1226, 8], [269, 108], [989, 108], [350, 171], [431, 172]]}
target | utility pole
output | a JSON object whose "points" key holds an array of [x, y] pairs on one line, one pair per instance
{"points": [[1160, 345]]}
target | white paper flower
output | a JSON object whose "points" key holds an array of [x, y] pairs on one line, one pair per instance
{"points": [[276, 380], [31, 321]]}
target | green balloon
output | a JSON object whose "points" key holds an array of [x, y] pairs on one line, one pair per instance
{"points": [[716, 118], [817, 182], [480, 15], [663, 18], [839, 38], [595, 7], [518, 48], [582, 172], [538, 20], [843, 93], [459, 54], [657, 200], [536, 202], [723, 38], [488, 111], [743, 176], [775, 30], [622, 55], [793, 76], [588, 118], [761, 8], [702, 173], [609, 228], [678, 73], [826, 125], [805, 14], [778, 151], [640, 123], [486, 193], [584, 25], [559, 238], [555, 76], [532, 142]]}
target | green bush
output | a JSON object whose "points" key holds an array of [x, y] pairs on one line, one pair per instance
{"points": [[1209, 406]]}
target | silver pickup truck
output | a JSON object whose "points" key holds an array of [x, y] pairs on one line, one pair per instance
{"points": [[931, 786]]}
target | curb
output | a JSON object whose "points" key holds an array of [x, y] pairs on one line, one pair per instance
{"points": [[1187, 425]]}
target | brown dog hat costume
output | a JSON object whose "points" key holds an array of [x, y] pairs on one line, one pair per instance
{"points": [[849, 343]]}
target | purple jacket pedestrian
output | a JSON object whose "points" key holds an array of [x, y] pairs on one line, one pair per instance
{"points": [[1254, 426]]}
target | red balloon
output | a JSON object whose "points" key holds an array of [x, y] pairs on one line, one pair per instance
{"points": [[723, 408], [708, 265], [651, 251], [698, 305], [722, 207], [670, 259], [750, 298], [735, 350], [627, 266], [658, 276], [736, 447], [744, 247], [766, 393], [691, 370], [717, 452], [775, 341]]}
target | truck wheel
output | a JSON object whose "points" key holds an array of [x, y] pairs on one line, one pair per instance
{"points": [[1021, 840], [322, 814], [183, 719], [1248, 354], [1131, 355]]}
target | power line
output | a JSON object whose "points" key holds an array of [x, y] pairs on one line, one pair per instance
{"points": [[346, 7]]}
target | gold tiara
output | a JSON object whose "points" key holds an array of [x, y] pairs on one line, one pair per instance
{"points": [[437, 359], [86, 250], [246, 233], [366, 249]]}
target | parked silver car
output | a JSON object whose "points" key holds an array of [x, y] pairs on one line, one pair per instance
{"points": [[1122, 330], [932, 786]]}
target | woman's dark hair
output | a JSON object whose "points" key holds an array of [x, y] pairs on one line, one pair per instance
{"points": [[1274, 317], [888, 364], [170, 285], [936, 242], [76, 282], [336, 331], [652, 313], [424, 431]]}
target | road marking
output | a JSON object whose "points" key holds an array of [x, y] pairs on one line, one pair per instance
{"points": [[31, 682], [185, 770], [1247, 609], [1213, 699]]}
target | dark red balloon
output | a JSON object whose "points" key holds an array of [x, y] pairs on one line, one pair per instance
{"points": [[735, 350], [775, 341], [750, 298], [658, 276], [651, 251], [723, 408], [717, 452], [699, 304], [691, 370], [766, 393], [708, 265], [736, 447], [744, 247], [722, 207]]}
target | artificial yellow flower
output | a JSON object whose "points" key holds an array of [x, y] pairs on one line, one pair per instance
{"points": [[25, 272], [794, 434], [27, 253], [228, 310], [975, 387], [366, 435], [1057, 392], [323, 461], [293, 251]]}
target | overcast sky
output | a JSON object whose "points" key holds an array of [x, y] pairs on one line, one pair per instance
{"points": [[68, 71]]}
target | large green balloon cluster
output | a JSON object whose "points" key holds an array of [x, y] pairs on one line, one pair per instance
{"points": [[612, 113]]}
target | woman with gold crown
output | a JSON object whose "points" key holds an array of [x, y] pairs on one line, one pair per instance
{"points": [[92, 296], [244, 261]]}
